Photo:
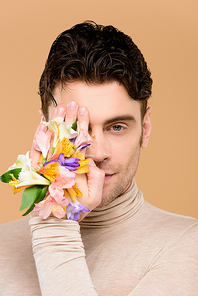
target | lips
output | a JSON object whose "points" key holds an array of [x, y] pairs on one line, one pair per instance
{"points": [[108, 177]]}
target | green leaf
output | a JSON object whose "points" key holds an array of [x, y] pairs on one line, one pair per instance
{"points": [[6, 178], [29, 210], [74, 125], [39, 198], [29, 196]]}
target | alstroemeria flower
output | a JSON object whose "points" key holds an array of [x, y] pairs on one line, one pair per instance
{"points": [[66, 131], [15, 182], [73, 192], [69, 163], [42, 142], [66, 179], [83, 139], [50, 170], [21, 161], [67, 147], [53, 126], [28, 176], [74, 209], [56, 169], [83, 168], [49, 205]]}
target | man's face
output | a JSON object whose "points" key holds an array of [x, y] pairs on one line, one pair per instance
{"points": [[115, 122]]}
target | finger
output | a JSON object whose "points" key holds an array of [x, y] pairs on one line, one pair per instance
{"points": [[91, 186], [95, 180], [59, 112], [83, 119], [71, 112]]}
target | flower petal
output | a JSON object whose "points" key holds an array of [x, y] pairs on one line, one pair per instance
{"points": [[66, 131], [58, 211], [42, 142], [28, 176], [21, 161], [74, 209]]}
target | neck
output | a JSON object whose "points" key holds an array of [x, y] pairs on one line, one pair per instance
{"points": [[121, 209]]}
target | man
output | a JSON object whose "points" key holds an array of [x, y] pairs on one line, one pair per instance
{"points": [[97, 75]]}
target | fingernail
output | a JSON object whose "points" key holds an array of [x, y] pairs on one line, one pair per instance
{"points": [[60, 111], [82, 110], [72, 105]]}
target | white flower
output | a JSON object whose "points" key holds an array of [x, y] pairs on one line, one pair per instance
{"points": [[61, 129], [66, 131], [21, 161], [28, 176]]}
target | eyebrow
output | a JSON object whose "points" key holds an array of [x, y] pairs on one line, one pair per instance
{"points": [[120, 118]]}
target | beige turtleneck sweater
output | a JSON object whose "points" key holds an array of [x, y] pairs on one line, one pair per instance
{"points": [[131, 247]]}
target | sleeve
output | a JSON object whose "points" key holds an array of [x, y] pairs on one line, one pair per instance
{"points": [[175, 273], [62, 269], [60, 258]]}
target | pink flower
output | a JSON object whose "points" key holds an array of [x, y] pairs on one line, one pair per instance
{"points": [[66, 179], [49, 205], [42, 142], [83, 138]]}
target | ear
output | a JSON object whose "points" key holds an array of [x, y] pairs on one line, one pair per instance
{"points": [[42, 115], [146, 128]]}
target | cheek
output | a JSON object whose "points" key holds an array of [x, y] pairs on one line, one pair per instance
{"points": [[127, 155], [125, 146], [121, 151]]}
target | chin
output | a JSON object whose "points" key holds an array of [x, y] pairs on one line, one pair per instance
{"points": [[118, 190], [106, 200]]}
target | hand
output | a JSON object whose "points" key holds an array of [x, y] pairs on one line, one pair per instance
{"points": [[91, 184]]}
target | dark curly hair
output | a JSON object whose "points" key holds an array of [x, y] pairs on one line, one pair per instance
{"points": [[95, 54]]}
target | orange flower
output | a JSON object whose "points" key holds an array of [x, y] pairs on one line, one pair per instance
{"points": [[83, 168], [50, 171], [67, 147], [78, 154], [15, 182], [74, 192]]}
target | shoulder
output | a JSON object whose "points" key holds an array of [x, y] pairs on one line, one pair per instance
{"points": [[175, 234], [165, 230], [168, 221], [175, 241]]}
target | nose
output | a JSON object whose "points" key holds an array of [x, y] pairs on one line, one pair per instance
{"points": [[99, 150]]}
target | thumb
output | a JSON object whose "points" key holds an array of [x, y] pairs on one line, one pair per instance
{"points": [[95, 179]]}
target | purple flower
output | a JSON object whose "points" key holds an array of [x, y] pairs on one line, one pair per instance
{"points": [[83, 146], [74, 210], [50, 161], [69, 163], [73, 140]]}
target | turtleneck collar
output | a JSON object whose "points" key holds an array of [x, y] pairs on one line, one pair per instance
{"points": [[121, 209]]}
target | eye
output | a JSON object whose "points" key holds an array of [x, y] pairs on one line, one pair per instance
{"points": [[117, 128]]}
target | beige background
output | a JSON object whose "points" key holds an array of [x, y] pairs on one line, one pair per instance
{"points": [[167, 33]]}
